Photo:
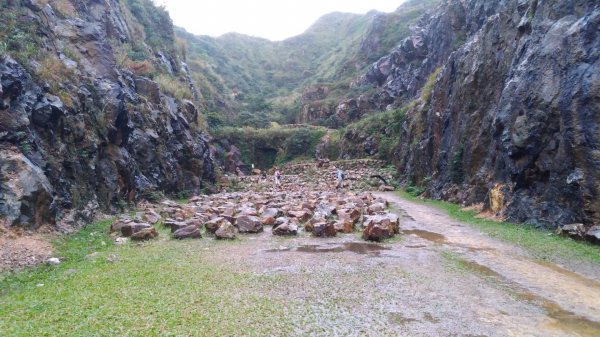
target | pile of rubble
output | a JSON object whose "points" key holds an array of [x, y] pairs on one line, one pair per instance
{"points": [[309, 203], [322, 214], [359, 175]]}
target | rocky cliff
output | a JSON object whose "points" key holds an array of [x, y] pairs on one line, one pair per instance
{"points": [[510, 116], [97, 111]]}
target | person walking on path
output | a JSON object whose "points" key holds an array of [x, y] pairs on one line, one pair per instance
{"points": [[277, 177]]}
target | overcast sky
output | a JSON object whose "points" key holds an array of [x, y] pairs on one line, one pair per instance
{"points": [[271, 19]]}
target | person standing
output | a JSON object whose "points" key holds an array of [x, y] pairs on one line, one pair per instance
{"points": [[277, 177], [340, 177]]}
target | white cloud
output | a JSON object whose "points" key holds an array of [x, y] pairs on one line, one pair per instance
{"points": [[271, 19]]}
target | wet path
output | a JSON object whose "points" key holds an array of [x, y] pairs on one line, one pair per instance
{"points": [[571, 301], [439, 278]]}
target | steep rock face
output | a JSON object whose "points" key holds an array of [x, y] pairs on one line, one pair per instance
{"points": [[511, 119], [104, 135]]}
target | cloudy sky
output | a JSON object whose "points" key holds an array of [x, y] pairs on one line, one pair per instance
{"points": [[271, 19]]}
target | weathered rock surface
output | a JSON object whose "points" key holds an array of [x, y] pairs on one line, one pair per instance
{"points": [[512, 107], [145, 234], [380, 227], [189, 232], [100, 134], [286, 229], [248, 224], [226, 231], [324, 230], [129, 229]]}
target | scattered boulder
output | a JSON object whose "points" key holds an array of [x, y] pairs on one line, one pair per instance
{"points": [[302, 215], [189, 232], [226, 231], [119, 223], [131, 228], [248, 224], [145, 234], [352, 215], [376, 208], [286, 229], [593, 234], [574, 231], [345, 226], [151, 217], [214, 224], [175, 225], [380, 227], [324, 229]]}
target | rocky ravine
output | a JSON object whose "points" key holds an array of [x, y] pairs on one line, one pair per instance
{"points": [[511, 117], [104, 135]]}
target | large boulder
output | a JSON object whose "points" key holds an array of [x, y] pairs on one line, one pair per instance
{"points": [[248, 224], [189, 232], [174, 225], [352, 214], [120, 223], [380, 227], [286, 229], [575, 231], [145, 234], [226, 231], [151, 217], [324, 229], [214, 224], [131, 228], [345, 226]]}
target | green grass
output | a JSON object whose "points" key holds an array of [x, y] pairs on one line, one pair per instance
{"points": [[540, 243], [160, 288]]}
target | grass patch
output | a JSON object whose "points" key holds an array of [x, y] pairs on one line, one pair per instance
{"points": [[160, 288], [542, 244]]}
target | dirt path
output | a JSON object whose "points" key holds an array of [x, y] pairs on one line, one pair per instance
{"points": [[442, 278]]}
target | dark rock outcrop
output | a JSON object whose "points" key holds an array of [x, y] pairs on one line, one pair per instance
{"points": [[506, 99], [99, 134]]}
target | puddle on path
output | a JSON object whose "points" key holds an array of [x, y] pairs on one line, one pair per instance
{"points": [[588, 282], [427, 235], [355, 247], [563, 320]]}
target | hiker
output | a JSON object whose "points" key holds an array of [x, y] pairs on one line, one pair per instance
{"points": [[340, 177], [277, 177]]}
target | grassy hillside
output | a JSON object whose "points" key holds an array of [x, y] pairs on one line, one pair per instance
{"points": [[237, 73]]}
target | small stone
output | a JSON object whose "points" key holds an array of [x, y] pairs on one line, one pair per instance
{"points": [[121, 241], [53, 261]]}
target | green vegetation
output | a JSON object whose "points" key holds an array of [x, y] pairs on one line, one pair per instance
{"points": [[541, 244], [275, 145], [153, 289], [426, 91], [156, 22], [383, 128], [237, 69], [174, 87], [18, 35]]}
